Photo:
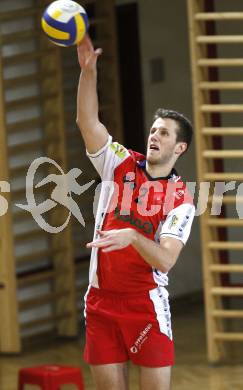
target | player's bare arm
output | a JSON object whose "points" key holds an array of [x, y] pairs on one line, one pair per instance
{"points": [[93, 131], [161, 256]]}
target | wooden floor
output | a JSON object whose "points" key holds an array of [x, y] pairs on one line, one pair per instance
{"points": [[191, 371]]}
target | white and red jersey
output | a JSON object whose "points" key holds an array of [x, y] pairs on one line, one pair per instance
{"points": [[129, 197]]}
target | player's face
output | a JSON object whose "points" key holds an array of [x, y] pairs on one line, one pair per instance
{"points": [[162, 146]]}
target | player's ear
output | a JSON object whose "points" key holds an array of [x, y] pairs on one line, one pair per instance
{"points": [[181, 147]]}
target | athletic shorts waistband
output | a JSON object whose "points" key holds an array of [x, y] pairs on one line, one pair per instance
{"points": [[117, 294]]}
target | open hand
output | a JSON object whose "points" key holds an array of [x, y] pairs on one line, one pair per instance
{"points": [[87, 56], [112, 240]]}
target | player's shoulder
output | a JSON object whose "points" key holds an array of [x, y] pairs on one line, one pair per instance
{"points": [[181, 193], [118, 149], [137, 158], [133, 158], [121, 151]]}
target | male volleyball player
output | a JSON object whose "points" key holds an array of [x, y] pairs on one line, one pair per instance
{"points": [[143, 221]]}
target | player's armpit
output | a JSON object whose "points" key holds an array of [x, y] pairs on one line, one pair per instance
{"points": [[106, 159]]}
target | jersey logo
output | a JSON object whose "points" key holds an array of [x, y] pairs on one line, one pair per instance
{"points": [[179, 194], [146, 227], [129, 177], [118, 149], [173, 222]]}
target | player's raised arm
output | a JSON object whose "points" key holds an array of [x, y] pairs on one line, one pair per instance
{"points": [[93, 131]]}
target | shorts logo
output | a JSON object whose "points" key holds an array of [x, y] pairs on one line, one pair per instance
{"points": [[141, 338], [134, 349]]}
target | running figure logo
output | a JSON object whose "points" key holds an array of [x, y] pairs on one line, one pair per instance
{"points": [[66, 184]]}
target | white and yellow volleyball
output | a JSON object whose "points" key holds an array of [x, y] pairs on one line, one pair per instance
{"points": [[65, 22]]}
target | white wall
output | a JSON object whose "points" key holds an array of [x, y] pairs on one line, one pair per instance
{"points": [[163, 33]]}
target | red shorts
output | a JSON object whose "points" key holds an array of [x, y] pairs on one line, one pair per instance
{"points": [[121, 327]]}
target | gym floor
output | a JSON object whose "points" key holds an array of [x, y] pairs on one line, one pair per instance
{"points": [[191, 372]]}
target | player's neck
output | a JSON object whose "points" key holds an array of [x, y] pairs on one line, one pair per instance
{"points": [[156, 170]]}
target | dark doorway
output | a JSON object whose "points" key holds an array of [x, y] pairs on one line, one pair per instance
{"points": [[130, 76]]}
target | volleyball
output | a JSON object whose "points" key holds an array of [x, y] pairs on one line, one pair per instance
{"points": [[65, 22]]}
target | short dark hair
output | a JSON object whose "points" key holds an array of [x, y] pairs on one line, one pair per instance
{"points": [[185, 130]]}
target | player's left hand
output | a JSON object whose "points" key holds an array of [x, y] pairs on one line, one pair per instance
{"points": [[111, 240]]}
